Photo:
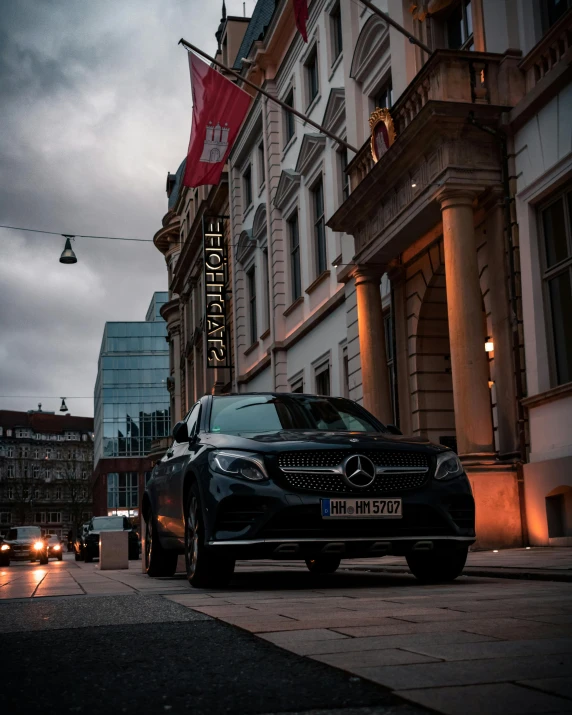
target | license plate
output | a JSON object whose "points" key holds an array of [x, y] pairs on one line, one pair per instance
{"points": [[361, 509]]}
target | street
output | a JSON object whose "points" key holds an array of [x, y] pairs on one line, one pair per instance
{"points": [[364, 640]]}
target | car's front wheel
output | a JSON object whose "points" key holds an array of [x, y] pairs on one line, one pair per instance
{"points": [[322, 564], [439, 565], [43, 560], [60, 556], [4, 561], [88, 556], [158, 561], [205, 569]]}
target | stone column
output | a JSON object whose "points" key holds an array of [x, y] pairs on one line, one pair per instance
{"points": [[397, 279], [473, 417], [503, 365], [375, 380]]}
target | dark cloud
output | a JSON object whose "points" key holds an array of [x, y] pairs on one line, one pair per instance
{"points": [[94, 110]]}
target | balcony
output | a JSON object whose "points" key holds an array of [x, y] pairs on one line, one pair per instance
{"points": [[553, 53], [460, 77]]}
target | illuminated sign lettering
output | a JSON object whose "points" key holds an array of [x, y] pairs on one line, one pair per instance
{"points": [[215, 293]]}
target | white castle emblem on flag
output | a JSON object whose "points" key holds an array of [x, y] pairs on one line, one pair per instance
{"points": [[216, 143]]}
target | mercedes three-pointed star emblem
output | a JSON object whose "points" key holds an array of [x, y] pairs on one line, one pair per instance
{"points": [[359, 471]]}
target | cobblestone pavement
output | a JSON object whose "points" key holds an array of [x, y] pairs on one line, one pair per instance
{"points": [[479, 645]]}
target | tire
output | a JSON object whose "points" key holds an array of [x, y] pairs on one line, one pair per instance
{"points": [[4, 561], [441, 565], [32, 561], [60, 556], [323, 564], [158, 561], [88, 557], [133, 556], [205, 569], [77, 556], [44, 560]]}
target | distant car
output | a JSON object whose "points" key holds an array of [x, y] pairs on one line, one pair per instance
{"points": [[78, 542], [55, 547], [5, 552], [90, 540], [27, 542]]}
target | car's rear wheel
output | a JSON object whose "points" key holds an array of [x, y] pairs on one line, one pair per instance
{"points": [[158, 561], [439, 565], [324, 563], [205, 569]]}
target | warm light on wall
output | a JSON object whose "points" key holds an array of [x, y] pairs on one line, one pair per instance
{"points": [[489, 346], [491, 384]]}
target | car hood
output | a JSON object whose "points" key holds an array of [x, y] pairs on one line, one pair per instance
{"points": [[21, 542], [312, 439]]}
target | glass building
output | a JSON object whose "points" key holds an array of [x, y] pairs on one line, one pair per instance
{"points": [[131, 404]]}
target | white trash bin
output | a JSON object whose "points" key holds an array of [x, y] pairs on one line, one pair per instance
{"points": [[113, 550]]}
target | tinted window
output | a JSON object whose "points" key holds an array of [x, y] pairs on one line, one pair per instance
{"points": [[268, 413], [108, 523], [24, 532]]}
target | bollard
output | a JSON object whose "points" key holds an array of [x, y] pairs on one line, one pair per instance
{"points": [[113, 550]]}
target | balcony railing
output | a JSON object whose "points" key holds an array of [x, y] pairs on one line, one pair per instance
{"points": [[450, 76], [553, 50]]}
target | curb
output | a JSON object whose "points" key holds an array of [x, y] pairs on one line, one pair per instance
{"points": [[498, 572]]}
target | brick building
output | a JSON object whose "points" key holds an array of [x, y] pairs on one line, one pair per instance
{"points": [[45, 464]]}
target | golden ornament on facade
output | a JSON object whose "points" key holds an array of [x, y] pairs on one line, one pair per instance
{"points": [[382, 132]]}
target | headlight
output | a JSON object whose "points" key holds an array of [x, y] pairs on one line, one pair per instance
{"points": [[4, 547], [244, 465], [448, 466], [57, 547], [39, 545]]}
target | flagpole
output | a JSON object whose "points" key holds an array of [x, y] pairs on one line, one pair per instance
{"points": [[285, 106], [396, 25]]}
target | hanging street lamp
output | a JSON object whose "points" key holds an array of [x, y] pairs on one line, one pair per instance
{"points": [[68, 256]]}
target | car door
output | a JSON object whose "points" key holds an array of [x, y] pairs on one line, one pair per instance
{"points": [[174, 470]]}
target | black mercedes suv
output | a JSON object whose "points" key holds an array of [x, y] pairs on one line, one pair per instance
{"points": [[308, 477]]}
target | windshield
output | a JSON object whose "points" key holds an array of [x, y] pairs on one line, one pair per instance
{"points": [[53, 537], [108, 523], [271, 413], [24, 532]]}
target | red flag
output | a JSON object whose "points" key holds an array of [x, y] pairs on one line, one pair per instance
{"points": [[301, 13], [219, 108]]}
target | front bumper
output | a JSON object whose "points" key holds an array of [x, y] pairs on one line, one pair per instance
{"points": [[264, 520]]}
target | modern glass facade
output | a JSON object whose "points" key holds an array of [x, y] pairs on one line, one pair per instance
{"points": [[131, 397]]}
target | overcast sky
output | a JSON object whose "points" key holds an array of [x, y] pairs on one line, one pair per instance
{"points": [[95, 108]]}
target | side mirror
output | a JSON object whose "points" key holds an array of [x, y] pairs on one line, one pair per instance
{"points": [[392, 429], [180, 433]]}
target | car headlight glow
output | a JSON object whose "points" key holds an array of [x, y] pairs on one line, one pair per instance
{"points": [[245, 465], [4, 547], [39, 545], [448, 466], [57, 547]]}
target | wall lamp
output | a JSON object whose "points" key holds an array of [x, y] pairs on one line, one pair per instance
{"points": [[489, 346]]}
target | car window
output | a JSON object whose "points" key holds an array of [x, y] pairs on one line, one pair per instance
{"points": [[271, 413], [108, 523], [192, 419], [24, 532]]}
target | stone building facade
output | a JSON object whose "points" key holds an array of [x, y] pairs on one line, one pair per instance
{"points": [[418, 284], [45, 465]]}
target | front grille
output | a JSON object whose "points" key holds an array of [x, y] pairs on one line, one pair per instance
{"points": [[335, 483], [331, 458], [299, 522]]}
